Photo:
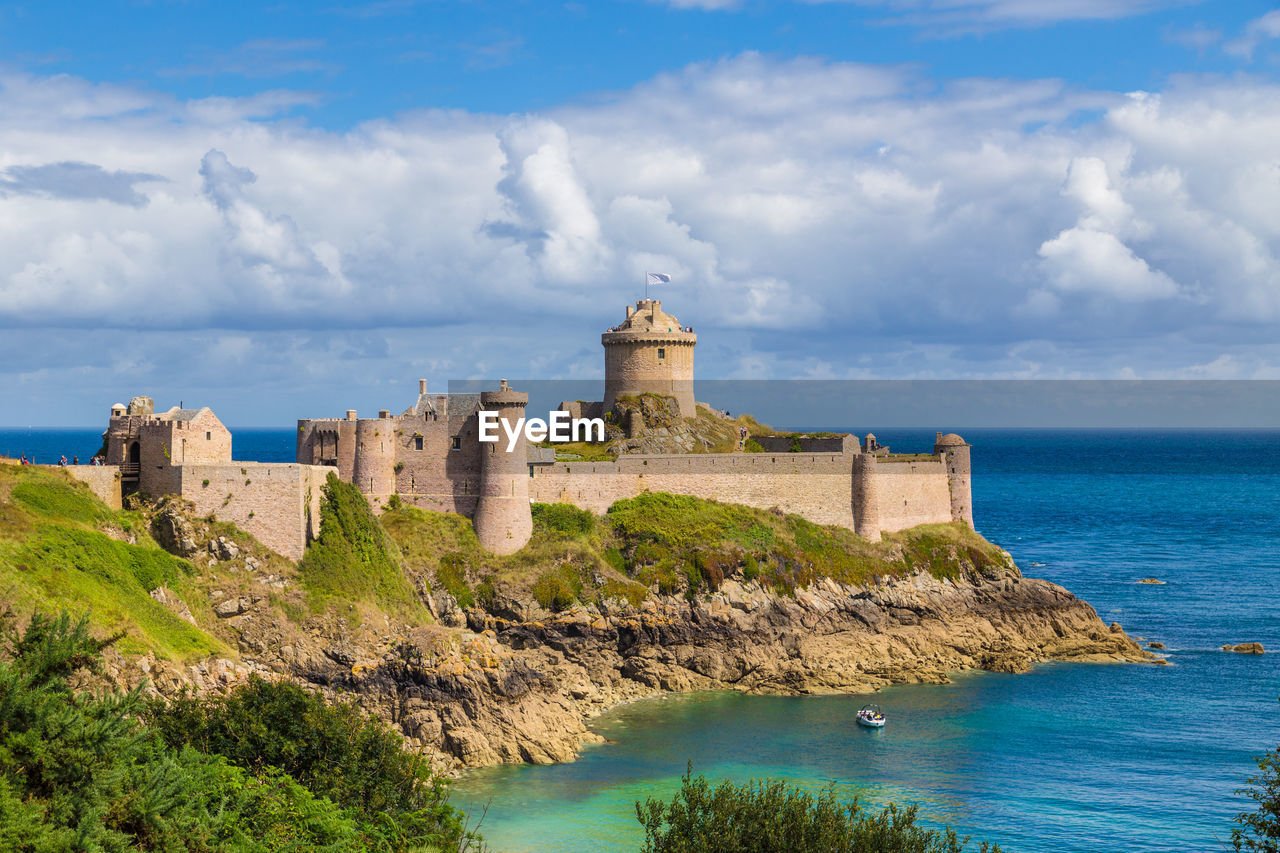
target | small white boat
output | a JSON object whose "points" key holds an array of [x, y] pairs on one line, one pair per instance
{"points": [[871, 716]]}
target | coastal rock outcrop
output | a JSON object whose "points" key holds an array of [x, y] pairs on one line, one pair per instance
{"points": [[515, 682], [526, 689]]}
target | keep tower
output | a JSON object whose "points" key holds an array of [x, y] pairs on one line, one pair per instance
{"points": [[503, 520], [649, 353]]}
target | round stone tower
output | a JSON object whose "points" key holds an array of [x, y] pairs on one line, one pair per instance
{"points": [[650, 353], [374, 469], [503, 521], [955, 454]]}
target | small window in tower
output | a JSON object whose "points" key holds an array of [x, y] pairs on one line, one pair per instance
{"points": [[417, 442], [457, 442], [662, 352], [208, 436]]}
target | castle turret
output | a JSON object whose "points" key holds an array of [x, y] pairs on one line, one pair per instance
{"points": [[650, 353], [374, 470], [866, 497], [503, 521], [955, 455]]}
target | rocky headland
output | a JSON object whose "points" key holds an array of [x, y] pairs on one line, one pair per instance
{"points": [[481, 660]]}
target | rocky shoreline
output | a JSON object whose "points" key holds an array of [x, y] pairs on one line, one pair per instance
{"points": [[529, 681], [514, 682]]}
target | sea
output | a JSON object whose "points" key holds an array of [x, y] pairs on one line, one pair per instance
{"points": [[1068, 757]]}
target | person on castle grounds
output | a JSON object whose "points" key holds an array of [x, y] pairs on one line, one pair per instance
{"points": [[62, 463], [75, 460]]}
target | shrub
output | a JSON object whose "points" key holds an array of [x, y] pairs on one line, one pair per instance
{"points": [[633, 593], [1260, 831], [486, 593], [557, 589], [79, 772], [563, 520], [770, 816], [451, 574], [335, 751], [613, 559], [354, 558]]}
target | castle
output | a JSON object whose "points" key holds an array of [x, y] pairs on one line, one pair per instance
{"points": [[430, 456]]}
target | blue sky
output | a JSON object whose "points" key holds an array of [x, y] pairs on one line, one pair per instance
{"points": [[287, 209], [366, 60]]}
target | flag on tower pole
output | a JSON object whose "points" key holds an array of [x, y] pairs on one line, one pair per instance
{"points": [[655, 278]]}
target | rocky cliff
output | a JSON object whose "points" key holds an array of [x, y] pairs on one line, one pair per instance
{"points": [[481, 660], [530, 684]]}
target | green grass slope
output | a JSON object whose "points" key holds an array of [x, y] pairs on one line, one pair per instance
{"points": [[669, 544], [354, 560], [63, 549]]}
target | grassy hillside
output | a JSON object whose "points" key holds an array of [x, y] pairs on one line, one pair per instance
{"points": [[354, 560], [63, 549], [60, 548], [669, 544]]}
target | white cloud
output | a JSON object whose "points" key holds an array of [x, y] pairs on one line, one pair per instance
{"points": [[815, 213], [1085, 260], [1256, 33]]}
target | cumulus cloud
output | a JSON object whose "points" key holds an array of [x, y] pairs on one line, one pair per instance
{"points": [[1091, 256], [831, 218]]}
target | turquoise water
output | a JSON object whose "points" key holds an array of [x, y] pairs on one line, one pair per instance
{"points": [[1069, 757]]}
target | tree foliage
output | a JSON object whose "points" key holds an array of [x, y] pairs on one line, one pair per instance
{"points": [[354, 558], [770, 817], [336, 751], [79, 771], [1259, 831]]}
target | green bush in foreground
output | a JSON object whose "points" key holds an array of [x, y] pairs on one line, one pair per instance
{"points": [[336, 751], [1259, 832], [770, 817], [79, 771]]}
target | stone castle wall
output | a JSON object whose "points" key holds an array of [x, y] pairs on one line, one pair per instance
{"points": [[826, 488], [277, 502], [891, 495], [815, 485], [102, 480]]}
